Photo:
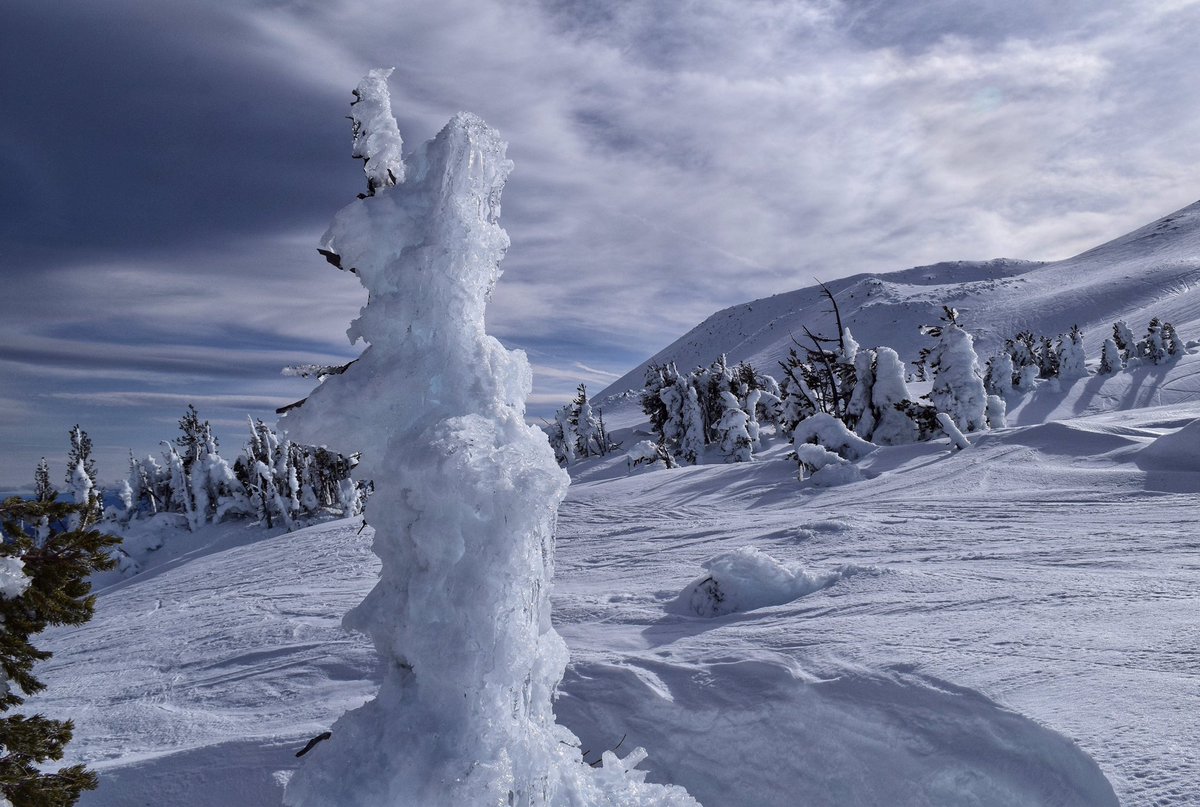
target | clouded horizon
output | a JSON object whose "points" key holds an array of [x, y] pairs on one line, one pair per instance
{"points": [[168, 170]]}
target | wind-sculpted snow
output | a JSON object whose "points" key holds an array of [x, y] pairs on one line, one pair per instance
{"points": [[887, 738], [1039, 587]]}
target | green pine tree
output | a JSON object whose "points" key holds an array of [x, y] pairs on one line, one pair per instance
{"points": [[45, 583]]}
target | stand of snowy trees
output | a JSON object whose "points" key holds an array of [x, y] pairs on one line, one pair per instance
{"points": [[578, 431], [1028, 358], [272, 480], [838, 400]]}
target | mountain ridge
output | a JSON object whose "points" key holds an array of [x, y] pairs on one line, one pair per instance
{"points": [[1151, 271]]}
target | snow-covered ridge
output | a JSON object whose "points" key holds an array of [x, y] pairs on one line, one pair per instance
{"points": [[1153, 271]]}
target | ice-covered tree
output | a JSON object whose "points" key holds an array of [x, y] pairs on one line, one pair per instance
{"points": [[43, 582], [957, 381], [463, 514]]}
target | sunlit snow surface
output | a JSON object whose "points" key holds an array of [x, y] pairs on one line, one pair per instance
{"points": [[1026, 635]]}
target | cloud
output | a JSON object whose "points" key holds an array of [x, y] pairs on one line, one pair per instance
{"points": [[671, 160]]}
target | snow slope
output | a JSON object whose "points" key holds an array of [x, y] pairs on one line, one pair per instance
{"points": [[1010, 624], [1153, 271], [1022, 631]]}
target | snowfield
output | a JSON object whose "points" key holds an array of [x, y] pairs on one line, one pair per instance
{"points": [[1021, 631], [1014, 623]]}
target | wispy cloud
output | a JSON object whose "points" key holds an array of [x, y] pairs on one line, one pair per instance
{"points": [[671, 159]]}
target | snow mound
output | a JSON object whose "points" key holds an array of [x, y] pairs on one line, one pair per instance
{"points": [[756, 732], [748, 578], [1176, 451]]}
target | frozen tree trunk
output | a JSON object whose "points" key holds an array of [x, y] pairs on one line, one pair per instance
{"points": [[466, 495]]}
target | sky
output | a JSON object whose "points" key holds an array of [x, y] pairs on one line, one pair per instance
{"points": [[167, 170]]}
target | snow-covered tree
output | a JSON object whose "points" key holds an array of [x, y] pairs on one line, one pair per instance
{"points": [[998, 377], [1049, 362], [890, 402], [1124, 340], [658, 377], [1160, 343], [1171, 341], [735, 440], [996, 412], [43, 491], [81, 477], [671, 395], [799, 401], [464, 511], [860, 414], [1110, 358], [1071, 358], [957, 381], [691, 446], [43, 582], [563, 437]]}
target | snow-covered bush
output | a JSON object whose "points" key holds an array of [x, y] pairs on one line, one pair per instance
{"points": [[747, 578], [464, 511], [648, 452]]}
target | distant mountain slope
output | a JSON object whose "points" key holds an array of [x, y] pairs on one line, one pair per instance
{"points": [[1152, 271]]}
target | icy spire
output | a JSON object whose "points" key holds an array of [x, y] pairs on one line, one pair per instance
{"points": [[377, 139], [466, 496]]}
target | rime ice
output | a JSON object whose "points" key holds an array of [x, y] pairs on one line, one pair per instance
{"points": [[466, 495]]}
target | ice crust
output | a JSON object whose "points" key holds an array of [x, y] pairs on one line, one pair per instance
{"points": [[464, 509]]}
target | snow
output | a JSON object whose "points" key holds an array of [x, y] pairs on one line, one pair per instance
{"points": [[747, 578], [1030, 640], [1013, 624], [13, 580]]}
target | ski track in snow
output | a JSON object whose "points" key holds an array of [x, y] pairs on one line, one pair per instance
{"points": [[1033, 602]]}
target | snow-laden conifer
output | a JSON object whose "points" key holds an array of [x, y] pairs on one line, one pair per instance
{"points": [[860, 414], [997, 412], [1071, 358], [691, 446], [889, 395], [733, 434], [957, 381], [999, 376], [43, 491], [464, 510], [1124, 340], [1110, 358]]}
